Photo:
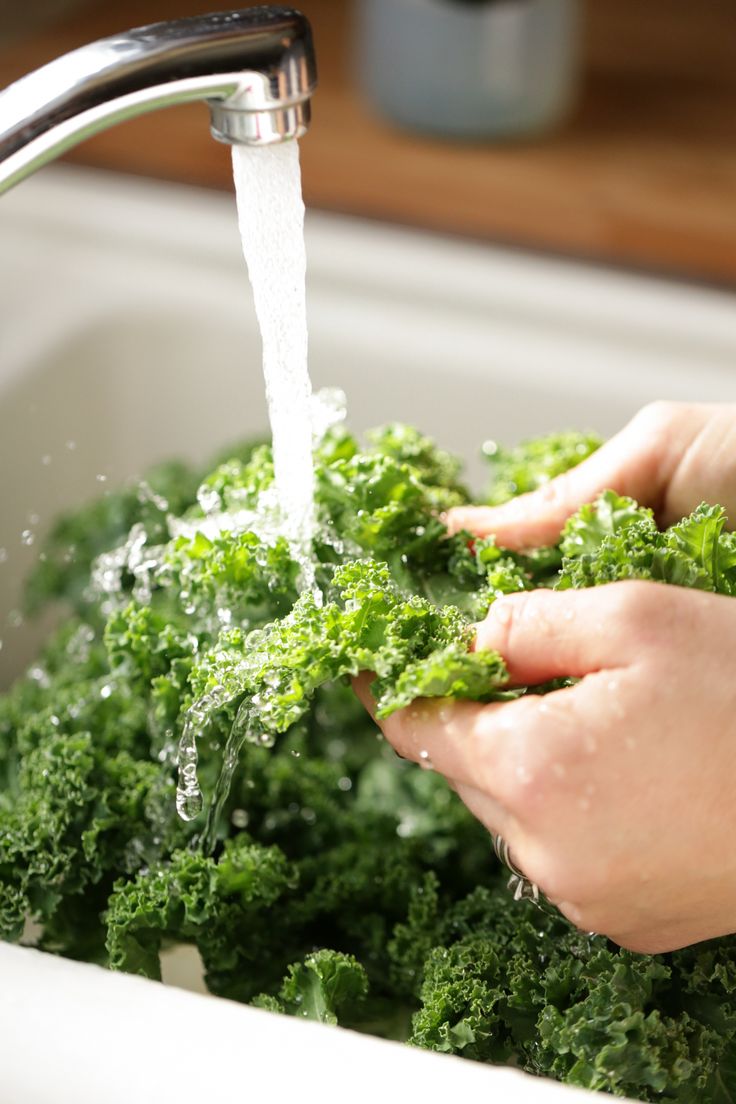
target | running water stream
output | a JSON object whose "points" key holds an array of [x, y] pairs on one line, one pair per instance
{"points": [[268, 189], [271, 219]]}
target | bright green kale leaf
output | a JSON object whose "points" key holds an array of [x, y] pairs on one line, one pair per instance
{"points": [[366, 624], [527, 466], [613, 538]]}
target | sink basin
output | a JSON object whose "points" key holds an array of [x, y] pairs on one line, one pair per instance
{"points": [[128, 336]]}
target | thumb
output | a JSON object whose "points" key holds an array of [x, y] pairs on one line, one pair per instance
{"points": [[547, 634]]}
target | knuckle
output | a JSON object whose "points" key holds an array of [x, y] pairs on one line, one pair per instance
{"points": [[518, 614], [653, 614], [636, 603], [572, 885], [659, 415], [558, 497]]}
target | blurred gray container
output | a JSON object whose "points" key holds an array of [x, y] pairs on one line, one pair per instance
{"points": [[469, 69]]}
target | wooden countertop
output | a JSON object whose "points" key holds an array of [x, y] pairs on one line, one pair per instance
{"points": [[643, 175]]}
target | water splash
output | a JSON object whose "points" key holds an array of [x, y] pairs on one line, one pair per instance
{"points": [[245, 728], [189, 800]]}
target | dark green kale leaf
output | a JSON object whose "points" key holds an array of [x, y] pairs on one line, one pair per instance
{"points": [[325, 983], [223, 906], [509, 984]]}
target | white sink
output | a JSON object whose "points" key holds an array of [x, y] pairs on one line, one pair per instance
{"points": [[127, 336]]}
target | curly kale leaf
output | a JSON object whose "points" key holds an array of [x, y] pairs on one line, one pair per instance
{"points": [[504, 984], [386, 503], [323, 984], [435, 467], [223, 906], [234, 574], [531, 464], [367, 624], [80, 818], [613, 538], [449, 672]]}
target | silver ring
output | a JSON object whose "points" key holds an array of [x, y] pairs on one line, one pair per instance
{"points": [[522, 888]]}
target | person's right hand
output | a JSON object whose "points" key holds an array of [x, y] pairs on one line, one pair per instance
{"points": [[671, 456]]}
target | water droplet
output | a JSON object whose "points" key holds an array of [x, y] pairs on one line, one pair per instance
{"points": [[46, 460], [424, 760], [3, 555], [296, 754], [209, 500], [105, 691], [33, 519], [189, 803], [345, 783], [70, 445], [15, 619], [101, 478], [240, 818], [27, 537]]}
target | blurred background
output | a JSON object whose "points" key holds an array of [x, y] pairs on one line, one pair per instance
{"points": [[635, 165]]}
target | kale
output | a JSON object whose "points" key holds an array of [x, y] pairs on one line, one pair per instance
{"points": [[613, 538], [330, 879], [515, 471], [325, 982]]}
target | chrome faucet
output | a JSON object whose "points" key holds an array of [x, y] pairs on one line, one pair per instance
{"points": [[255, 69]]}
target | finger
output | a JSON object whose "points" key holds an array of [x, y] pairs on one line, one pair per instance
{"points": [[635, 462], [487, 810], [362, 687], [450, 737], [471, 744], [546, 634]]}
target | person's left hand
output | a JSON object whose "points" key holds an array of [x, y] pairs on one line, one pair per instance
{"points": [[616, 795]]}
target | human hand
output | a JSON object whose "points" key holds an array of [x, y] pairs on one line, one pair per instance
{"points": [[671, 456], [615, 795]]}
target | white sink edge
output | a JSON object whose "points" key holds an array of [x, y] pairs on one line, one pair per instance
{"points": [[119, 1038]]}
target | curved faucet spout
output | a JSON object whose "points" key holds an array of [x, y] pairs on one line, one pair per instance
{"points": [[254, 67]]}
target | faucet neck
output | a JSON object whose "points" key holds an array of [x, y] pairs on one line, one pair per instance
{"points": [[255, 67]]}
